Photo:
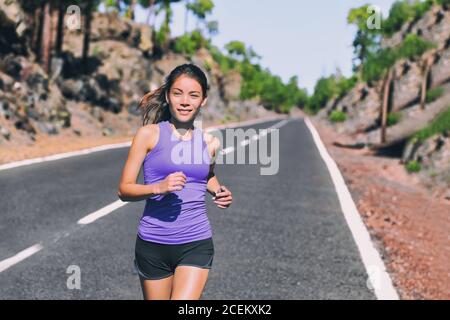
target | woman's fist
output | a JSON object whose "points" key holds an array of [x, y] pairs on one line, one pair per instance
{"points": [[173, 182], [223, 197]]}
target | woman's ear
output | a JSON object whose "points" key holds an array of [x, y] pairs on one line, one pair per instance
{"points": [[204, 102]]}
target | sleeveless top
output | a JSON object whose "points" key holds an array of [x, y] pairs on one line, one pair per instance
{"points": [[178, 216]]}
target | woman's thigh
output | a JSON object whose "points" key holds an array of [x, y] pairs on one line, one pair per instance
{"points": [[189, 282], [157, 289], [192, 269]]}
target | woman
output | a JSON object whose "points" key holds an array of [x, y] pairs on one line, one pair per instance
{"points": [[174, 246]]}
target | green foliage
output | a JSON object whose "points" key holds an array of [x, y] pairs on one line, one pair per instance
{"points": [[189, 43], [237, 49], [439, 125], [366, 40], [337, 116], [200, 8], [379, 62], [376, 64], [434, 94], [393, 118], [327, 88], [413, 46], [324, 90], [413, 166], [273, 93], [404, 11]]}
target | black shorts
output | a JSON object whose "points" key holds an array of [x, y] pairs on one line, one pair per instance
{"points": [[155, 261]]}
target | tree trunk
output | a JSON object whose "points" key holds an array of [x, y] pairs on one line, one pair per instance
{"points": [[425, 72], [60, 28], [132, 6], [384, 108], [46, 38], [87, 33], [37, 32]]}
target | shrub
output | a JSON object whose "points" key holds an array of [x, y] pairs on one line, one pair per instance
{"points": [[440, 124], [434, 94], [393, 118], [413, 166], [337, 116]]}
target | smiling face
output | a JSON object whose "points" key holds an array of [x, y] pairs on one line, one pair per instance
{"points": [[185, 99]]}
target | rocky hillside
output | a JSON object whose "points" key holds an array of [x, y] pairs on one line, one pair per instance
{"points": [[120, 70], [361, 107]]}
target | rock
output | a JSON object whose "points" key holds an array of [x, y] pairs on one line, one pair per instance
{"points": [[231, 85], [13, 11], [107, 131], [23, 124], [133, 108], [5, 110], [72, 88], [57, 65], [5, 132], [47, 127], [97, 113], [12, 65]]}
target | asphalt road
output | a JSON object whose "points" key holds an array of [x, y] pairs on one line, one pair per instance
{"points": [[284, 236]]}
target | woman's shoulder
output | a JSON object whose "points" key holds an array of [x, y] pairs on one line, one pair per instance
{"points": [[212, 141], [149, 133]]}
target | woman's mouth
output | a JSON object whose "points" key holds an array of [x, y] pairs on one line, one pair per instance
{"points": [[184, 112]]}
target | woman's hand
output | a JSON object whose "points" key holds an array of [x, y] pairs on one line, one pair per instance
{"points": [[223, 197], [173, 182]]}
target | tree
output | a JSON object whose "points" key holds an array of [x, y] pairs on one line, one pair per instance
{"points": [[366, 39], [200, 8]]}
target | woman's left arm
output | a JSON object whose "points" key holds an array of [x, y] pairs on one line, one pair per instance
{"points": [[221, 195]]}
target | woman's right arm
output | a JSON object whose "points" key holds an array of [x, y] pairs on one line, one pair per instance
{"points": [[129, 190]]}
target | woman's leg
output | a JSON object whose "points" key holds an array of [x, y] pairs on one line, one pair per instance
{"points": [[156, 289], [189, 282]]}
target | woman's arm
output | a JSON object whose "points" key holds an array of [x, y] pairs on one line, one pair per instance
{"points": [[213, 184], [129, 190]]}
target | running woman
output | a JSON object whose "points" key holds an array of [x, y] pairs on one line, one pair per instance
{"points": [[174, 247]]}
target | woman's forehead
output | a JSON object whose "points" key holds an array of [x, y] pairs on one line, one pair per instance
{"points": [[186, 83]]}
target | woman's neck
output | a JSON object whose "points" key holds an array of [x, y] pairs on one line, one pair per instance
{"points": [[182, 127]]}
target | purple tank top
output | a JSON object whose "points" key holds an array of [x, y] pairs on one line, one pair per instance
{"points": [[178, 216]]}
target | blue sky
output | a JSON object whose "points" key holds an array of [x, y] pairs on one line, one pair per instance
{"points": [[309, 39]]}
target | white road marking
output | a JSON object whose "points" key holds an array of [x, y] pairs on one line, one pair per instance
{"points": [[379, 278], [22, 255], [58, 156], [7, 263], [102, 212], [64, 155]]}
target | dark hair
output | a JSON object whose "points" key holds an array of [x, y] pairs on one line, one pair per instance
{"points": [[154, 105]]}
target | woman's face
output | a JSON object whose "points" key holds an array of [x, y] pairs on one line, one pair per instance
{"points": [[185, 99]]}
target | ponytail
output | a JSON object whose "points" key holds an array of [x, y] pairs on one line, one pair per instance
{"points": [[155, 107]]}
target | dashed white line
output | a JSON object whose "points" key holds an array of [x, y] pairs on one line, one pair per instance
{"points": [[22, 255], [102, 212], [7, 263]]}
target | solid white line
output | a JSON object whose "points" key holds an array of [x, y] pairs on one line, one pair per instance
{"points": [[102, 212], [58, 156], [64, 155], [378, 276], [22, 255]]}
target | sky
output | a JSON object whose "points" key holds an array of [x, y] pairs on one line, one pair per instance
{"points": [[305, 38]]}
